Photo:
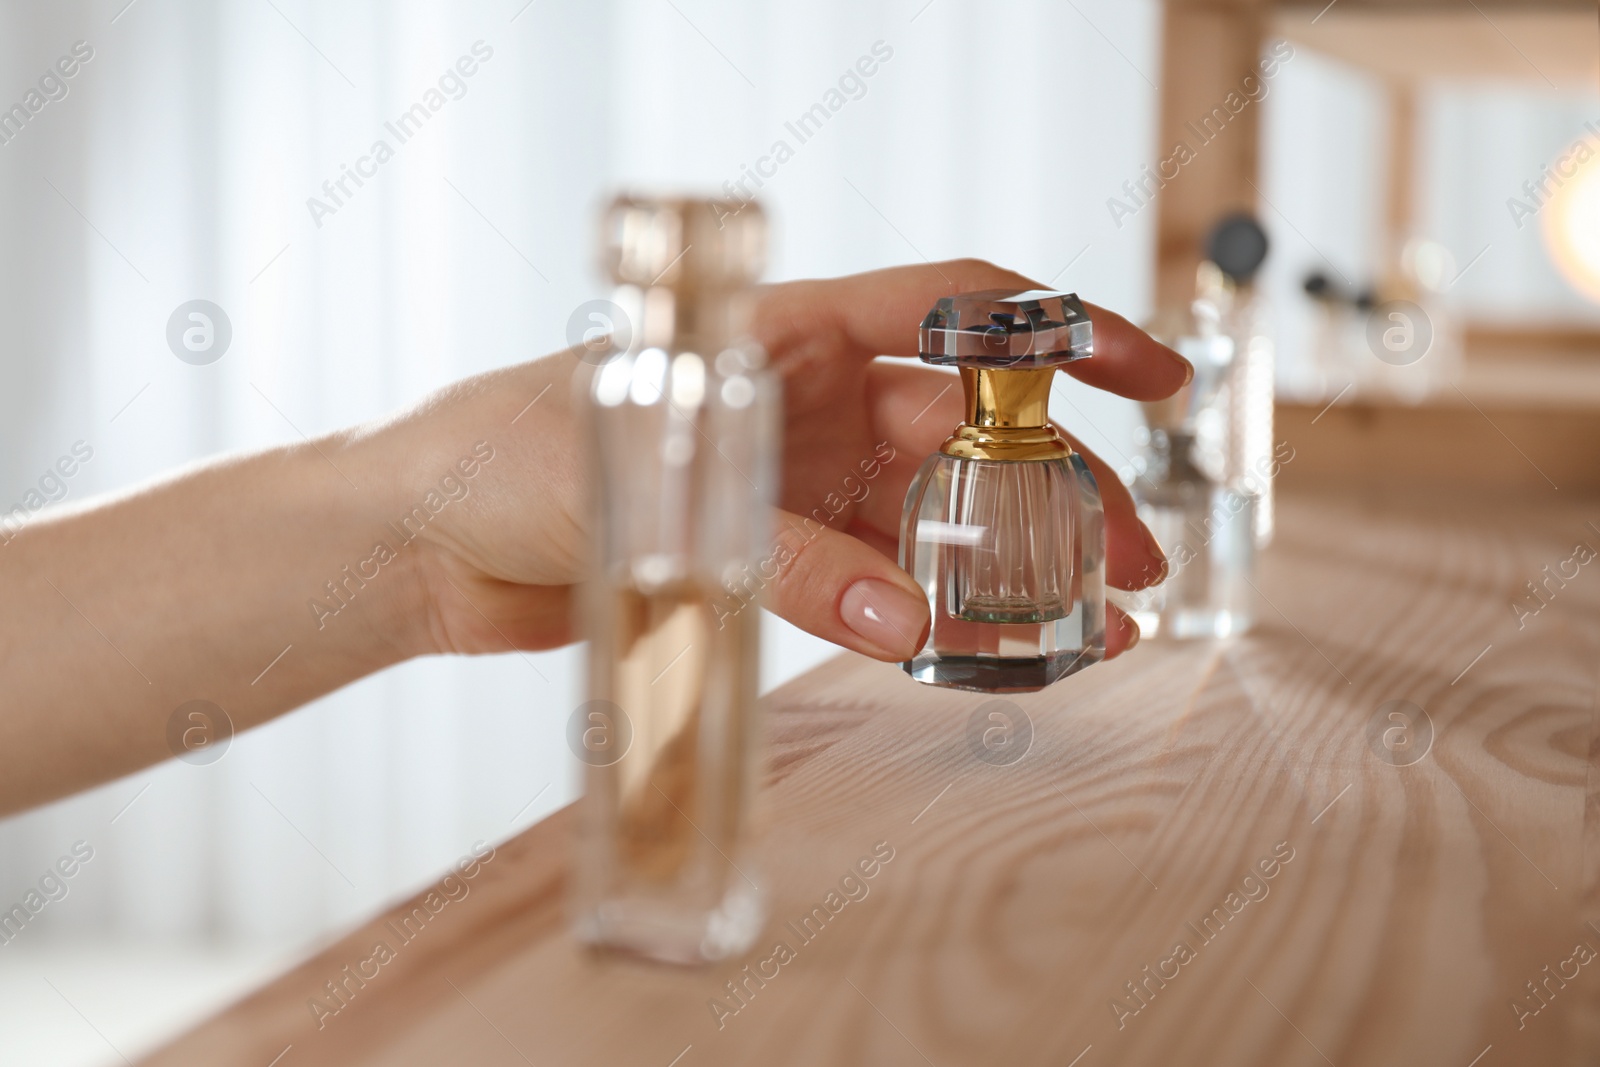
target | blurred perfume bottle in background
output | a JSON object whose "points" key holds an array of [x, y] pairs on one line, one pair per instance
{"points": [[1237, 249], [683, 424], [1204, 481], [1398, 340], [1003, 526], [1207, 531]]}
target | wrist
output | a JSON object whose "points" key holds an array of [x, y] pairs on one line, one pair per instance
{"points": [[374, 589], [473, 497]]}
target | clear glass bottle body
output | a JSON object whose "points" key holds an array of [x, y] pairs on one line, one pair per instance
{"points": [[664, 868], [1208, 532], [1250, 393], [682, 434], [1011, 556]]}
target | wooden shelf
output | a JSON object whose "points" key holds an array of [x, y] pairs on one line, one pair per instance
{"points": [[1495, 447], [1022, 899], [1485, 341], [1531, 383], [1547, 46]]}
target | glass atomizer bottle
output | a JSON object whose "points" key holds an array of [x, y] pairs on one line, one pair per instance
{"points": [[1206, 527], [1205, 490], [683, 423], [1003, 526], [1236, 249]]}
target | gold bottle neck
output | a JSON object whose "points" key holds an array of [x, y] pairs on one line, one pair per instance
{"points": [[1007, 416]]}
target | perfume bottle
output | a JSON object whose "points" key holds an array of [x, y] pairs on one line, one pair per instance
{"points": [[1204, 517], [1003, 526], [1236, 249], [683, 423]]}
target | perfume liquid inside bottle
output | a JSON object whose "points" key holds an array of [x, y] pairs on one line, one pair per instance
{"points": [[654, 781], [683, 426], [1023, 518], [1003, 527], [670, 812]]}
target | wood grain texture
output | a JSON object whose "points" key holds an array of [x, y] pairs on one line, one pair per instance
{"points": [[1020, 899]]}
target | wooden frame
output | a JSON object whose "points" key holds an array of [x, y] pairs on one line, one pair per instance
{"points": [[1209, 46]]}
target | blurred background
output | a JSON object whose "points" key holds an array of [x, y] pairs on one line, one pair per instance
{"points": [[1427, 150]]}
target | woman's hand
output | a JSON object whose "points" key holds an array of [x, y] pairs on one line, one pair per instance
{"points": [[259, 582], [497, 566]]}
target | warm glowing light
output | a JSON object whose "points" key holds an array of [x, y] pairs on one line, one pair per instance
{"points": [[1572, 228]]}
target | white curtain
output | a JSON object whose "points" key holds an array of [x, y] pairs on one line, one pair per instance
{"points": [[179, 166]]}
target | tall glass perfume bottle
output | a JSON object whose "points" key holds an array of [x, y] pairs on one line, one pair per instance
{"points": [[1188, 492], [683, 427], [1003, 526], [1236, 249]]}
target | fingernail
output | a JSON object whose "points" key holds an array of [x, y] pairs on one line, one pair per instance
{"points": [[1134, 640], [884, 615], [1188, 368], [1153, 547]]}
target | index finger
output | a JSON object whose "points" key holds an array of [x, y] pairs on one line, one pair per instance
{"points": [[875, 313]]}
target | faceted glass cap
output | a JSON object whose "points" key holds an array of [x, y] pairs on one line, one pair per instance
{"points": [[1005, 328]]}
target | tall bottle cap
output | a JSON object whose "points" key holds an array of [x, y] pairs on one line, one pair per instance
{"points": [[1238, 246], [1005, 329], [684, 243]]}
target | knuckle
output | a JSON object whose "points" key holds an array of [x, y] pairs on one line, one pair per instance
{"points": [[973, 266], [793, 548], [800, 567]]}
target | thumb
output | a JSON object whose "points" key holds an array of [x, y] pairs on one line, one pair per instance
{"points": [[836, 587]]}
